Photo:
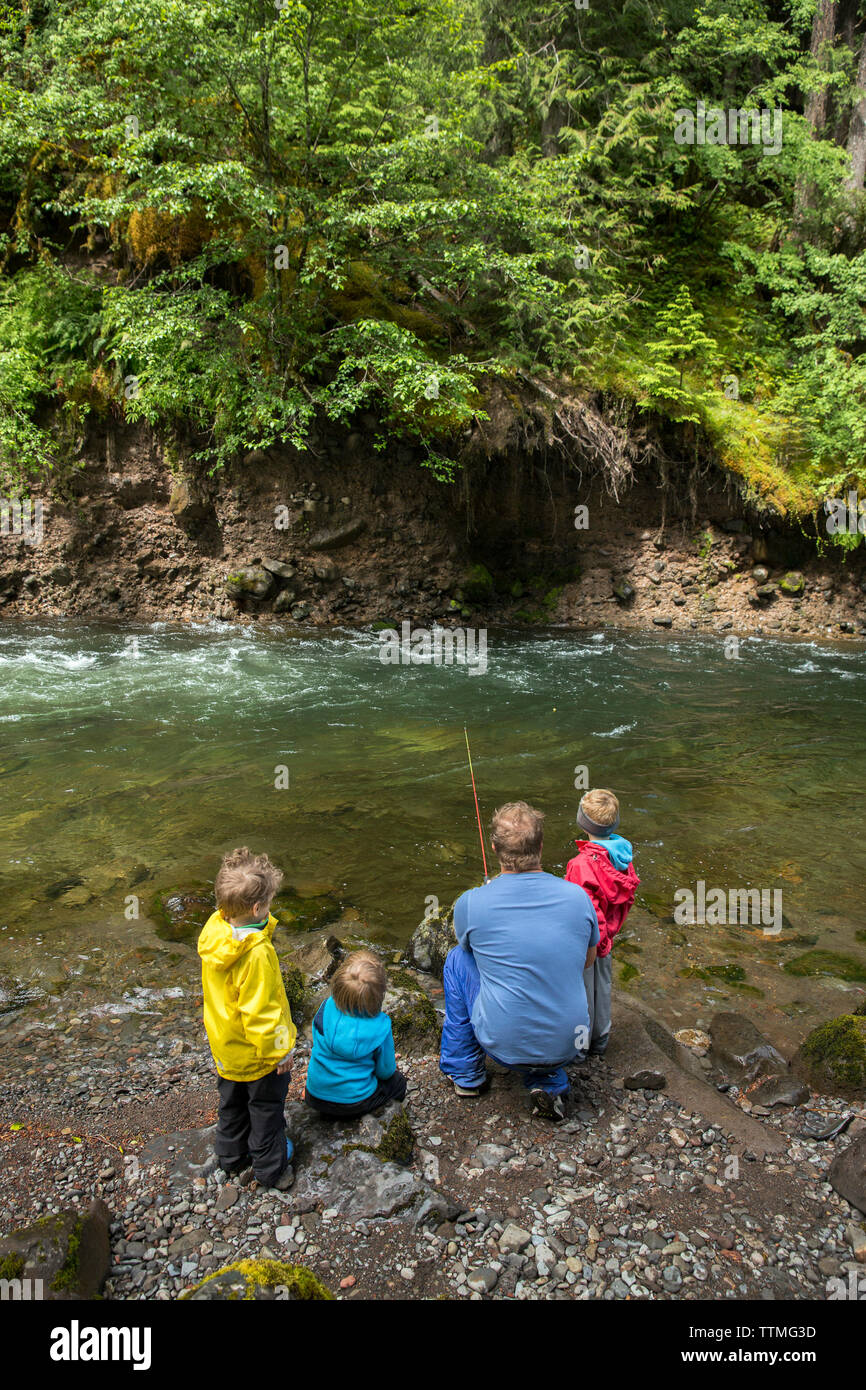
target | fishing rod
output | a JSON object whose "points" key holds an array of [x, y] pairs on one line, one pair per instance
{"points": [[477, 812]]}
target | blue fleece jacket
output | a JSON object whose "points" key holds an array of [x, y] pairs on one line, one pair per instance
{"points": [[351, 1055]]}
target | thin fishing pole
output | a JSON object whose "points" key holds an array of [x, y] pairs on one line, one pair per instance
{"points": [[475, 794]]}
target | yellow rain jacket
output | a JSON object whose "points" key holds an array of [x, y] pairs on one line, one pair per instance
{"points": [[246, 1012]]}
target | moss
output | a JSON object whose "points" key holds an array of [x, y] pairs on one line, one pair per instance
{"points": [[305, 914], [733, 974], [66, 1278], [692, 972], [398, 1140], [296, 989], [414, 1020], [628, 972], [834, 1055], [300, 1281], [860, 935], [11, 1267], [179, 915], [628, 948], [477, 586], [827, 963], [396, 1144]]}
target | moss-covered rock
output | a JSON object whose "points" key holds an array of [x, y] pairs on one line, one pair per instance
{"points": [[68, 1252], [396, 1144], [252, 582], [305, 913], [256, 1280], [295, 985], [413, 1019], [179, 914], [793, 583], [827, 963], [833, 1057], [431, 941], [477, 586]]}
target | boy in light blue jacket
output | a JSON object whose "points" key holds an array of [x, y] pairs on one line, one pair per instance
{"points": [[352, 1068]]}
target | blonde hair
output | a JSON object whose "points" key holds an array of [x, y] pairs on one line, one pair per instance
{"points": [[517, 831], [601, 806], [359, 985], [245, 881]]}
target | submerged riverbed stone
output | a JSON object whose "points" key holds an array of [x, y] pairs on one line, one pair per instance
{"points": [[833, 1057], [740, 1050], [180, 914], [840, 966]]}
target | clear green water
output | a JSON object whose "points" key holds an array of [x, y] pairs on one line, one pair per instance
{"points": [[121, 758]]}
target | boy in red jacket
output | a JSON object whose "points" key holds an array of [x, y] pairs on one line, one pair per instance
{"points": [[603, 867]]}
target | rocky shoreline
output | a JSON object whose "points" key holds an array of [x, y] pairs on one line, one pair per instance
{"points": [[684, 1171], [132, 538]]}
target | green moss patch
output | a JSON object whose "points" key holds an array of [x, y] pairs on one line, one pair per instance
{"points": [[827, 963], [66, 1278], [300, 1282], [833, 1057], [11, 1267], [396, 1144]]}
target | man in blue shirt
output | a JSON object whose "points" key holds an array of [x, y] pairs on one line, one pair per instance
{"points": [[514, 985]]}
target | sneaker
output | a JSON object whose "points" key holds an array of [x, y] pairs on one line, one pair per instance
{"points": [[470, 1091], [545, 1103]]}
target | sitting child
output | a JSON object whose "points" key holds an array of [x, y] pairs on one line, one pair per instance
{"points": [[247, 1019], [603, 867], [352, 1067]]}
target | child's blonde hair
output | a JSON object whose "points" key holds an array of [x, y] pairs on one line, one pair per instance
{"points": [[245, 881], [359, 985], [601, 806]]}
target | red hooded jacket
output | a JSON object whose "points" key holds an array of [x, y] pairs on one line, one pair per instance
{"points": [[611, 890]]}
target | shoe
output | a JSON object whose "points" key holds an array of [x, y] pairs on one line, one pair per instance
{"points": [[470, 1092], [545, 1103], [285, 1180]]}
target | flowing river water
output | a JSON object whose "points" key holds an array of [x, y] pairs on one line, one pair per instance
{"points": [[132, 758]]}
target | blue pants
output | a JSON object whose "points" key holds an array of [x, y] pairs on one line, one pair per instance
{"points": [[461, 1057]]}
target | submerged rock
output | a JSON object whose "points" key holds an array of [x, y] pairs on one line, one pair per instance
{"points": [[740, 1050], [180, 914], [833, 1057], [779, 1090], [305, 913], [827, 963], [257, 1280], [69, 1253]]}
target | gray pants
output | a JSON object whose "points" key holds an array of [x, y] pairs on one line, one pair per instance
{"points": [[597, 982]]}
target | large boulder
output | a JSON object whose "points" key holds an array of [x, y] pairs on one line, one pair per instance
{"points": [[848, 1173], [833, 1057], [66, 1256], [187, 505], [740, 1051], [431, 941], [252, 582]]}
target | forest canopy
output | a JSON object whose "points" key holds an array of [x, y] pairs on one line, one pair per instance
{"points": [[228, 219]]}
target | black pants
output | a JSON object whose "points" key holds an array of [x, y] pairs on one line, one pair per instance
{"points": [[392, 1089], [252, 1123]]}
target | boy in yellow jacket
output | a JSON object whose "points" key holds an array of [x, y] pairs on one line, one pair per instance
{"points": [[247, 1019]]}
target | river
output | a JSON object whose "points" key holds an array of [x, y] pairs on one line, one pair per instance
{"points": [[133, 757]]}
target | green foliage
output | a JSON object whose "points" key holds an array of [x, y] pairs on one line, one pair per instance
{"points": [[378, 205]]}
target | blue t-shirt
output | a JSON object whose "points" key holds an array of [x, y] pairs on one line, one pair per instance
{"points": [[529, 934]]}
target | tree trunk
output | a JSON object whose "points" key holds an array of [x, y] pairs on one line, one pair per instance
{"points": [[857, 128], [823, 33]]}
